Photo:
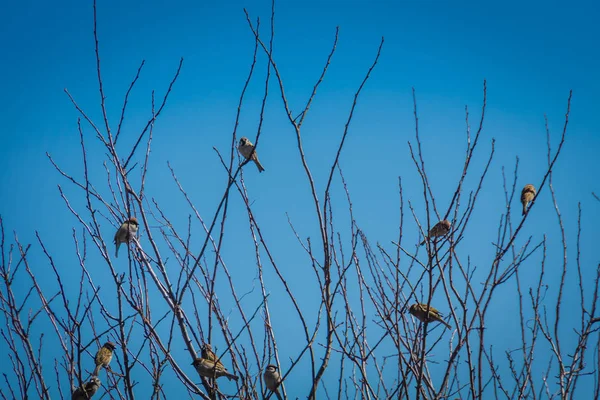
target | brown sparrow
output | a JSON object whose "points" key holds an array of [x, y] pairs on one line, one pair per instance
{"points": [[246, 149], [87, 390], [104, 356], [209, 354], [209, 369], [125, 233], [419, 310], [272, 379], [527, 195], [440, 229]]}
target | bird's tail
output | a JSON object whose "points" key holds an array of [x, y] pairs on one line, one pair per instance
{"points": [[97, 370], [231, 376], [524, 207], [117, 250], [258, 165], [445, 323], [278, 395]]}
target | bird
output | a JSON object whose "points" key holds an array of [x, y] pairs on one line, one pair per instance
{"points": [[104, 356], [209, 369], [419, 310], [209, 354], [125, 233], [272, 379], [87, 390], [246, 149], [527, 196], [440, 229]]}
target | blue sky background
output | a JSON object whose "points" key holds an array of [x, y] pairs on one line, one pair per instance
{"points": [[530, 54]]}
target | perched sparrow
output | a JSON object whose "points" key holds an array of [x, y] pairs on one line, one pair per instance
{"points": [[87, 390], [527, 195], [103, 357], [208, 354], [272, 379], [440, 229], [126, 232], [419, 310], [246, 148], [209, 369]]}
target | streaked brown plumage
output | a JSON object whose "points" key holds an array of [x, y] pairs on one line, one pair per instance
{"points": [[440, 229], [527, 196], [419, 310], [104, 356], [245, 148], [125, 233], [209, 369], [210, 355], [87, 390], [272, 379]]}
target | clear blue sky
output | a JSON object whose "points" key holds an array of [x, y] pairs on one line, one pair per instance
{"points": [[530, 54]]}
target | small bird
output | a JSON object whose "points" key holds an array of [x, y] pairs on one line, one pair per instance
{"points": [[209, 369], [440, 229], [209, 354], [104, 356], [419, 310], [87, 390], [527, 195], [272, 379], [246, 149], [125, 233]]}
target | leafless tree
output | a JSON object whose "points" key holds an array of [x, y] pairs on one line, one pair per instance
{"points": [[365, 289]]}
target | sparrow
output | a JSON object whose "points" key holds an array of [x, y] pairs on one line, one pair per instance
{"points": [[208, 354], [440, 229], [419, 310], [125, 233], [103, 357], [246, 149], [209, 369], [527, 195], [87, 390], [272, 379]]}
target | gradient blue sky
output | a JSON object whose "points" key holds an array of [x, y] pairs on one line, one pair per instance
{"points": [[530, 54]]}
